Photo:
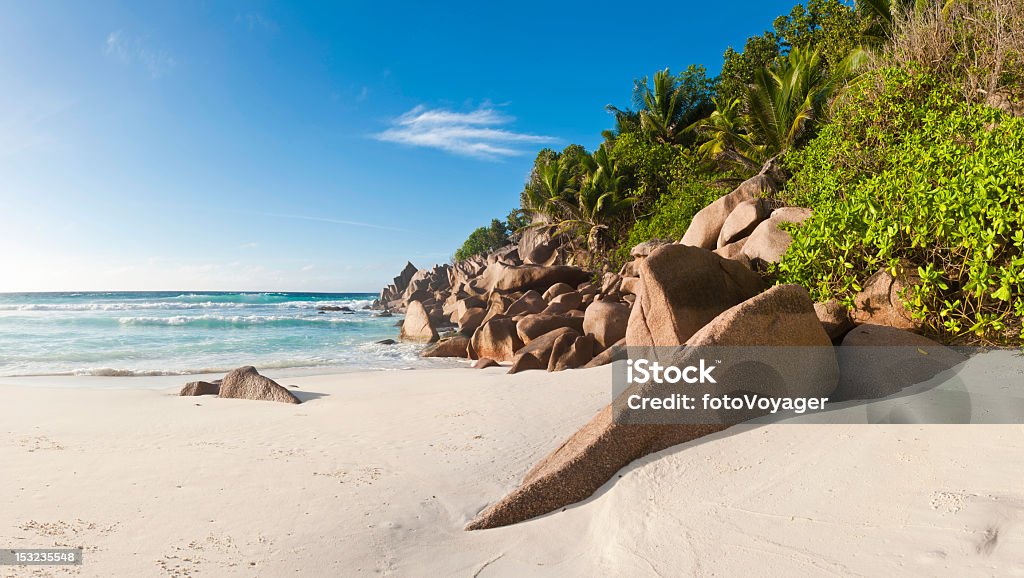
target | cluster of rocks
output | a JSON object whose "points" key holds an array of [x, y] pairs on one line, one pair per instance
{"points": [[533, 312], [242, 383], [705, 290]]}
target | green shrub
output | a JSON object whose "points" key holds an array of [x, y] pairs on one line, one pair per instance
{"points": [[908, 171], [483, 240], [670, 215]]}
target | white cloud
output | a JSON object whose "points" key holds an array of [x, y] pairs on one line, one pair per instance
{"points": [[132, 51], [476, 134]]}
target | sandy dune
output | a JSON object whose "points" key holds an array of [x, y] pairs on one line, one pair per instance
{"points": [[378, 472]]}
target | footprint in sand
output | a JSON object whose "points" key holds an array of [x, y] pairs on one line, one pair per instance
{"points": [[363, 476], [949, 502], [39, 443], [220, 551], [63, 534], [988, 519]]}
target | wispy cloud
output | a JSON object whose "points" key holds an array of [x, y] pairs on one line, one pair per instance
{"points": [[257, 21], [334, 221], [130, 50], [31, 121], [477, 133]]}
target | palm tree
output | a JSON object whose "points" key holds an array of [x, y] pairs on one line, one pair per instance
{"points": [[556, 185], [661, 108], [665, 106], [597, 202], [727, 140], [788, 97]]}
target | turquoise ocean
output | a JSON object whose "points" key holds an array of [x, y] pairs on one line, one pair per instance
{"points": [[191, 332]]}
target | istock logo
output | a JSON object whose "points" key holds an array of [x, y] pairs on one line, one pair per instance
{"points": [[644, 371]]}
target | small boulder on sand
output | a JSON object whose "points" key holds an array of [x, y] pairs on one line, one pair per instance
{"points": [[484, 363], [454, 346], [247, 383], [200, 388]]}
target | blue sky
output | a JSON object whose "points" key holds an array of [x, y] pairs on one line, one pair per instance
{"points": [[301, 146]]}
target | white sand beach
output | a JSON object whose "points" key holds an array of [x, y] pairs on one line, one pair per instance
{"points": [[377, 473]]}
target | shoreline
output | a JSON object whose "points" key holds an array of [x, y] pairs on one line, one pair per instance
{"points": [[176, 380], [377, 472]]}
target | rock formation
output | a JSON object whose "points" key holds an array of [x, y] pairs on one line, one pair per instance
{"points": [[247, 383]]}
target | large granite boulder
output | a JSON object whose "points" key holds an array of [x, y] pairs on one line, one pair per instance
{"points": [[533, 326], [734, 252], [880, 302], [768, 243], [537, 353], [497, 304], [782, 317], [570, 300], [683, 288], [417, 325], [403, 278], [496, 339], [247, 383], [525, 277], [530, 302], [545, 254], [570, 352], [630, 285], [464, 305], [556, 290], [707, 224], [606, 321], [742, 221], [877, 361], [471, 320], [610, 283]]}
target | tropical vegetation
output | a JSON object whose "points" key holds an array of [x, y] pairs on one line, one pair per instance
{"points": [[895, 121]]}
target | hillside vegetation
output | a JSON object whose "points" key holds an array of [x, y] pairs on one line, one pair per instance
{"points": [[896, 123]]}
